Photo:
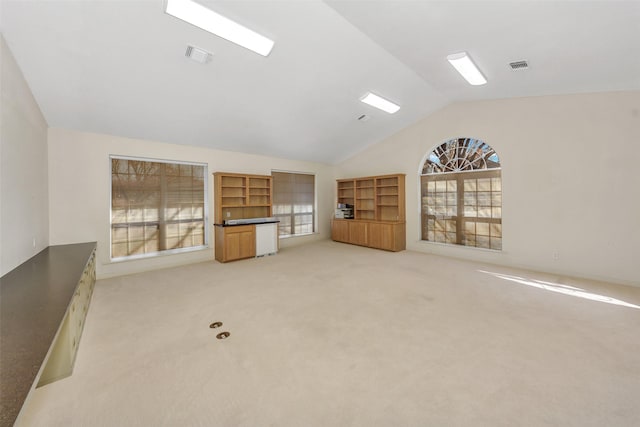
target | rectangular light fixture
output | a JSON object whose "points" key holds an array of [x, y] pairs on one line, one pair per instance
{"points": [[465, 66], [202, 17], [380, 103]]}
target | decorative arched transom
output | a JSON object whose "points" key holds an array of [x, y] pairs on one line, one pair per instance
{"points": [[459, 155]]}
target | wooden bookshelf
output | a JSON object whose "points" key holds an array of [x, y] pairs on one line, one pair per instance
{"points": [[239, 196], [346, 192], [390, 203], [379, 212], [365, 199]]}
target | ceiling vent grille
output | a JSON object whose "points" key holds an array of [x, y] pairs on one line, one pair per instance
{"points": [[519, 65], [199, 55]]}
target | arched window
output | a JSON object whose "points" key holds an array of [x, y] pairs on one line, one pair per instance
{"points": [[461, 188]]}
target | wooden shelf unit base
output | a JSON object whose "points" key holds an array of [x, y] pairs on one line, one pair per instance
{"points": [[389, 236]]}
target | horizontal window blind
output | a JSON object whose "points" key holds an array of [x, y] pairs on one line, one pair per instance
{"points": [[293, 202], [156, 206]]}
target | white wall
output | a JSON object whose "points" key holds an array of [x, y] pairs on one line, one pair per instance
{"points": [[79, 183], [23, 168], [571, 181]]}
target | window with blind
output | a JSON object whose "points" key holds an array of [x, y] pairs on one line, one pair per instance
{"points": [[461, 187], [156, 206], [293, 203]]}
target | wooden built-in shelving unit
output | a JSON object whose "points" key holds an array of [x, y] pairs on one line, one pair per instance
{"points": [[239, 196], [365, 199], [346, 192], [379, 212]]}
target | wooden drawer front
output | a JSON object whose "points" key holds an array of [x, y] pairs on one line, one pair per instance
{"points": [[239, 229]]}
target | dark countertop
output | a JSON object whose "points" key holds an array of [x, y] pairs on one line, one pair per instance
{"points": [[251, 223], [34, 298]]}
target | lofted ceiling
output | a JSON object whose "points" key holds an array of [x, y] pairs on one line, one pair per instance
{"points": [[118, 67]]}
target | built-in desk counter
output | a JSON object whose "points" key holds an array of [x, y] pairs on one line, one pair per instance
{"points": [[42, 306], [246, 238]]}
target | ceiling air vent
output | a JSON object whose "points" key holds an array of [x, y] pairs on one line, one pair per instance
{"points": [[199, 55], [519, 65]]}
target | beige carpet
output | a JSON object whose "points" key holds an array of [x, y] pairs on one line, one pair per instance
{"points": [[329, 334]]}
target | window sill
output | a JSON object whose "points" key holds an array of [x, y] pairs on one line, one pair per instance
{"points": [[159, 254], [288, 236], [449, 245]]}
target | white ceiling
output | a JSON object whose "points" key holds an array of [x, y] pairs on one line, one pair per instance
{"points": [[118, 67]]}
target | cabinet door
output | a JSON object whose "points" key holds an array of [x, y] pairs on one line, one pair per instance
{"points": [[340, 230], [248, 243], [381, 236], [358, 233], [231, 246], [390, 237], [239, 242]]}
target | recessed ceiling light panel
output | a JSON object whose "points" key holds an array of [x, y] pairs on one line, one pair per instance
{"points": [[380, 103], [465, 66], [202, 17]]}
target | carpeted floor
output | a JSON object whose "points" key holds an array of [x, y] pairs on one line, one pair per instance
{"points": [[329, 334]]}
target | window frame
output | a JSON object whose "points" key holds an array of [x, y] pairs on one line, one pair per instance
{"points": [[206, 231], [293, 214], [487, 170]]}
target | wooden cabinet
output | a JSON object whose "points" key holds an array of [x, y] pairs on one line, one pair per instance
{"points": [[358, 232], [379, 212], [340, 231], [239, 196], [235, 242], [390, 236], [387, 236]]}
